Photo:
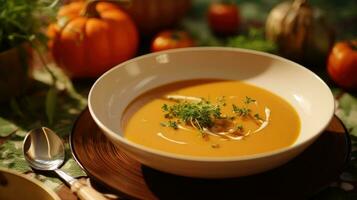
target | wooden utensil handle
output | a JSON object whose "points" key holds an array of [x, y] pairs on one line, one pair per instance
{"points": [[85, 192]]}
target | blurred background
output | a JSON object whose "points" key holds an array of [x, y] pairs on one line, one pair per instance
{"points": [[50, 54]]}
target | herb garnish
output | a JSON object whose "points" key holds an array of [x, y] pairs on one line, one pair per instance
{"points": [[206, 117], [198, 114], [249, 100], [222, 100], [257, 117], [242, 112], [239, 127], [170, 123]]}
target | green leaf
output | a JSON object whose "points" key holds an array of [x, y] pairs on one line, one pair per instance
{"points": [[23, 21], [346, 102], [11, 156], [354, 131], [72, 168], [51, 101], [6, 127], [347, 111], [253, 40]]}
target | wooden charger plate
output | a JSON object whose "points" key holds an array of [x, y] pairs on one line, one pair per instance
{"points": [[308, 173]]}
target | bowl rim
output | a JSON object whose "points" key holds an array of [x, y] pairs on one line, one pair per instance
{"points": [[34, 181], [112, 135]]}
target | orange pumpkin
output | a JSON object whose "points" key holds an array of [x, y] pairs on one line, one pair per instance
{"points": [[90, 38]]}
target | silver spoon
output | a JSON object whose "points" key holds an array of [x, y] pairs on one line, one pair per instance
{"points": [[44, 151]]}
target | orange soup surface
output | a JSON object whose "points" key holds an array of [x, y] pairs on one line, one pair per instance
{"points": [[212, 118]]}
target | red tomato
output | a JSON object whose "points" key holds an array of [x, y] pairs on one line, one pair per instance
{"points": [[342, 64], [170, 39], [223, 18]]}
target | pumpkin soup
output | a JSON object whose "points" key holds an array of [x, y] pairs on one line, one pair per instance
{"points": [[211, 118]]}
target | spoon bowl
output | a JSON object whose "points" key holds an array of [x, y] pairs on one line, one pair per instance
{"points": [[44, 150]]}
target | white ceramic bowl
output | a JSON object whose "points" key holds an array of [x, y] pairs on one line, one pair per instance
{"points": [[306, 92]]}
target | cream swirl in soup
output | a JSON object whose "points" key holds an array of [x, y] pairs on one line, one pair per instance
{"points": [[211, 118]]}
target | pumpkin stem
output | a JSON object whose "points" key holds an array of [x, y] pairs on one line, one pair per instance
{"points": [[300, 3], [90, 10], [353, 45]]}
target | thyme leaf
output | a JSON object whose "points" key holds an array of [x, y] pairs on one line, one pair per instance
{"points": [[170, 123], [242, 112], [249, 100], [239, 127], [257, 117]]}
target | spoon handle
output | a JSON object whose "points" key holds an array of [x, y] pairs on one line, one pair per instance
{"points": [[84, 192]]}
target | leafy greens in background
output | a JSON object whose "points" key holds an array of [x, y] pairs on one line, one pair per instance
{"points": [[22, 21], [254, 39]]}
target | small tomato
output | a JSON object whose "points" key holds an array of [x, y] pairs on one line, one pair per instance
{"points": [[342, 64], [171, 39], [223, 18]]}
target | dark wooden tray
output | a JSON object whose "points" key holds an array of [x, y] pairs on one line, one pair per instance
{"points": [[307, 174]]}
